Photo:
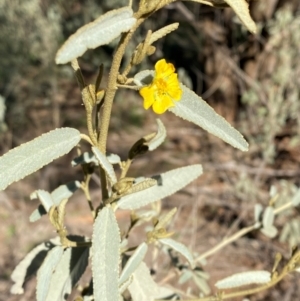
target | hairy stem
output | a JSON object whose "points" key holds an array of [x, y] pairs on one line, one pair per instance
{"points": [[112, 86]]}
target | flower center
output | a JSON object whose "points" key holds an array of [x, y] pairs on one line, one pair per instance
{"points": [[161, 86]]}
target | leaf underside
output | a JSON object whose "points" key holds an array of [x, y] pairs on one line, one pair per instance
{"points": [[99, 32], [167, 184], [106, 256], [31, 156]]}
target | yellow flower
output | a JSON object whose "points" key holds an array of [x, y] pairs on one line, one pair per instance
{"points": [[163, 90]]}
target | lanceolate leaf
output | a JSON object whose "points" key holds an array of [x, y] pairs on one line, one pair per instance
{"points": [[180, 248], [241, 8], [245, 278], [85, 158], [60, 271], [31, 156], [133, 262], [144, 77], [44, 197], [45, 272], [167, 184], [108, 168], [29, 265], [89, 157], [68, 271], [60, 193], [193, 108], [64, 191], [113, 158], [201, 283], [143, 288], [106, 256], [159, 138], [99, 32]]}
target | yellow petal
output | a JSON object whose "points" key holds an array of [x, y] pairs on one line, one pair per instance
{"points": [[173, 87], [148, 94], [175, 93], [162, 104], [173, 79], [163, 69]]}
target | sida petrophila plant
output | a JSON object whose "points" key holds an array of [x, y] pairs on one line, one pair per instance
{"points": [[118, 271]]}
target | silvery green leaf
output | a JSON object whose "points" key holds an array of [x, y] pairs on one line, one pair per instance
{"points": [[167, 184], [268, 217], [143, 78], [68, 271], [64, 191], [123, 287], [113, 158], [60, 193], [185, 276], [44, 197], [202, 284], [159, 138], [108, 168], [28, 266], [143, 288], [31, 156], [133, 262], [180, 248], [201, 274], [46, 271], [241, 8], [89, 157], [106, 256], [85, 158], [193, 108], [47, 202], [245, 278], [37, 214], [296, 199], [271, 231], [99, 32]]}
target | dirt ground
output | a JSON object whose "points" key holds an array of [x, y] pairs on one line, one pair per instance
{"points": [[221, 67]]}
